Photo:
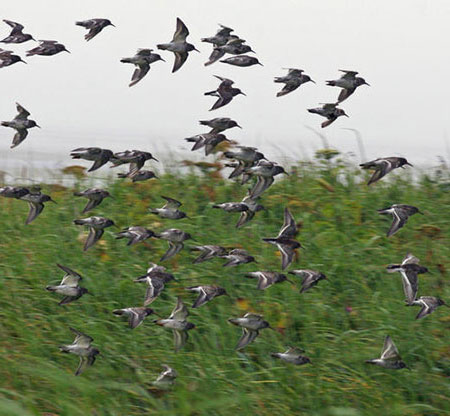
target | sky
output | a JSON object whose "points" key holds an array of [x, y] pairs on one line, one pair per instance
{"points": [[83, 99]]}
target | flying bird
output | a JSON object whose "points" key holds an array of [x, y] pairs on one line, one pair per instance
{"points": [[96, 226], [246, 157], [142, 60], [400, 214], [267, 279], [47, 48], [69, 286], [16, 35], [292, 355], [310, 278], [21, 123], [390, 357], [330, 111], [251, 324], [95, 197], [234, 46], [178, 45], [429, 304], [175, 238], [236, 257], [99, 156], [36, 203], [169, 209], [219, 124], [225, 93], [166, 378], [208, 141], [95, 26], [15, 192], [208, 252], [265, 172], [206, 293], [135, 315], [221, 37], [81, 346], [7, 58], [383, 166], [348, 82], [135, 235], [156, 278], [292, 81], [253, 208]]}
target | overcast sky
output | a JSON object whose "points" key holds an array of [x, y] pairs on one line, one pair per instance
{"points": [[400, 47]]}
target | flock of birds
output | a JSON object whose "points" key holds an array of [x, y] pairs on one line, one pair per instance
{"points": [[247, 163]]}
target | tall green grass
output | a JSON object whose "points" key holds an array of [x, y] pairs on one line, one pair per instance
{"points": [[340, 323]]}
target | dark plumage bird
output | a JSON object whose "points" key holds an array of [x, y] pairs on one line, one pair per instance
{"points": [[246, 156], [135, 235], [284, 240], [178, 324], [253, 208], [390, 358], [400, 214], [348, 82], [292, 81], [383, 166], [225, 93], [16, 192], [310, 278], [242, 61], [236, 257], [95, 196], [21, 123], [156, 278], [136, 159], [16, 35], [135, 315], [99, 156], [208, 140], [265, 173], [409, 269], [208, 252], [292, 355], [69, 286], [36, 203], [206, 293], [138, 175], [232, 206], [219, 124], [429, 304], [142, 61], [169, 209], [329, 111], [178, 45], [7, 58], [47, 48], [267, 279], [95, 26], [96, 226], [251, 324], [81, 346], [234, 46], [166, 378], [175, 238], [220, 38]]}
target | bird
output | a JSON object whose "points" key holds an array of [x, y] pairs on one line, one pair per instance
{"points": [[253, 208], [135, 158], [206, 293], [220, 124], [142, 60], [98, 155], [265, 172], [175, 237], [400, 214], [242, 61], [221, 37], [246, 156], [138, 175], [15, 192], [177, 322], [348, 82], [225, 93], [156, 278], [234, 46], [429, 304], [266, 278], [36, 203], [135, 234], [169, 209], [166, 378], [236, 257], [95, 197], [135, 315], [69, 286], [251, 324], [409, 269], [47, 48], [96, 226], [208, 252], [21, 123], [81, 346], [208, 140], [292, 355], [7, 58], [284, 240], [179, 46], [232, 206], [390, 357], [16, 35], [330, 111], [95, 26], [310, 278], [383, 166], [292, 81]]}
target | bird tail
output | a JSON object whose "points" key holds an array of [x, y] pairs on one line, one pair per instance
{"points": [[216, 206], [153, 211], [213, 93], [117, 312], [162, 46], [77, 194], [6, 123], [313, 110], [126, 60], [331, 83], [50, 288], [371, 362], [80, 24], [63, 348], [78, 222]]}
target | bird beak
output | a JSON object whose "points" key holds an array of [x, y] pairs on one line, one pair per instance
{"points": [[37, 125], [409, 164], [154, 158], [312, 81], [195, 49], [366, 83], [51, 200], [161, 59], [243, 93], [67, 51], [112, 25], [22, 61], [346, 115], [237, 125]]}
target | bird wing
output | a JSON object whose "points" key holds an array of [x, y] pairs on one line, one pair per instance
{"points": [[179, 339], [245, 217], [247, 337], [23, 114], [155, 287], [180, 59], [171, 203], [81, 340], [202, 298], [410, 259], [216, 54], [93, 237], [71, 278], [222, 101], [16, 27], [382, 168], [92, 203], [426, 310], [328, 122], [19, 137], [84, 363], [287, 254], [348, 74], [262, 183], [294, 350], [289, 228], [345, 93], [174, 248], [180, 312], [134, 319], [410, 285], [389, 351], [35, 209], [181, 32], [94, 30], [264, 280], [398, 222], [139, 73]]}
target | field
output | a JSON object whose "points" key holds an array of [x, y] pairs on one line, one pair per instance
{"points": [[340, 323]]}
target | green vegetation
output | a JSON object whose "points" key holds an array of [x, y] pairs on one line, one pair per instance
{"points": [[340, 323]]}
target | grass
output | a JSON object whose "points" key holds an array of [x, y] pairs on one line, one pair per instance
{"points": [[340, 323]]}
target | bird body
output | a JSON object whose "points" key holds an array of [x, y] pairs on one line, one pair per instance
{"points": [[21, 123], [251, 324], [99, 156], [95, 196], [400, 214], [69, 286], [142, 60], [330, 111], [16, 35], [47, 48], [383, 166], [95, 26], [96, 226], [390, 358], [292, 356]]}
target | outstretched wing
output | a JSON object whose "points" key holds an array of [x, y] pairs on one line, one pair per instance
{"points": [[93, 237], [23, 114], [35, 209], [289, 228], [19, 137], [180, 312], [71, 278], [174, 248], [398, 222], [171, 203], [389, 351], [139, 73], [81, 340], [247, 337], [181, 32]]}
